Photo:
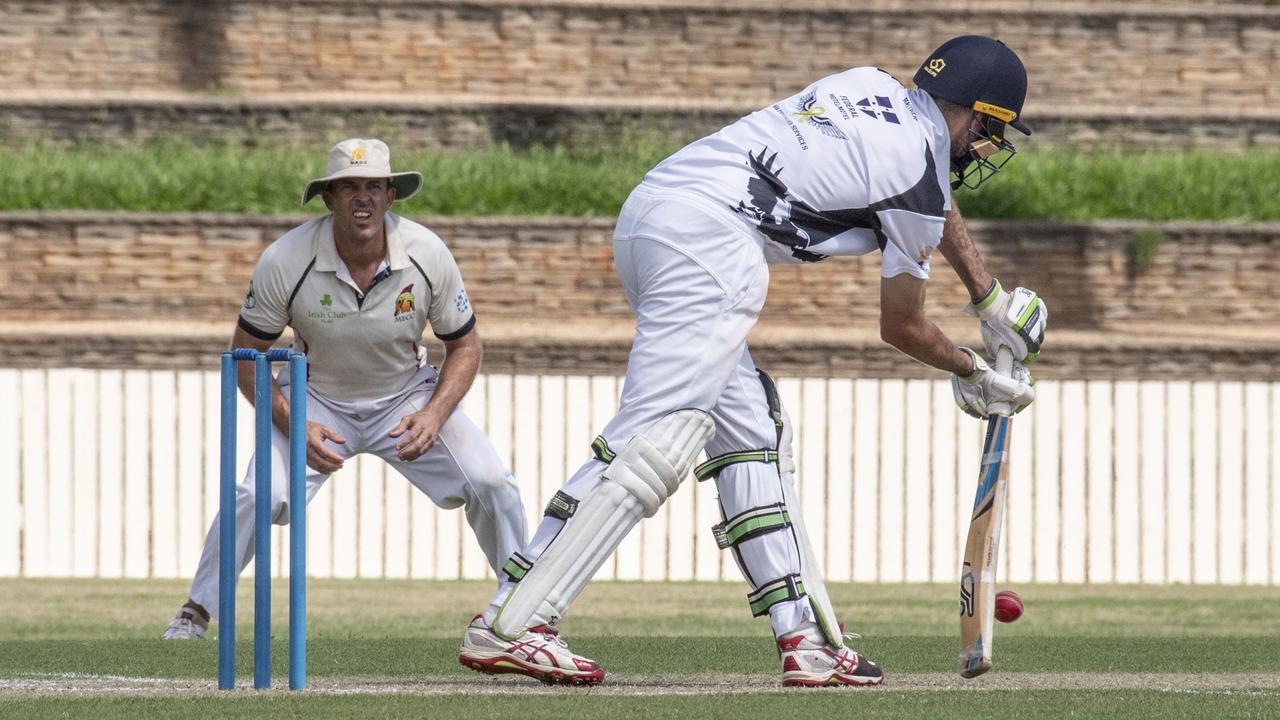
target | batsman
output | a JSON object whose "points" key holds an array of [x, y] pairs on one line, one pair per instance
{"points": [[853, 164]]}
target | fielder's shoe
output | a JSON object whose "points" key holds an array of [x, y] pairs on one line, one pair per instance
{"points": [[539, 653], [186, 625], [806, 663]]}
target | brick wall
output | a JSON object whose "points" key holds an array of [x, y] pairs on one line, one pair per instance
{"points": [[155, 291], [78, 266], [1098, 55]]}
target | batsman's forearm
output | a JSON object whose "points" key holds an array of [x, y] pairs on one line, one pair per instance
{"points": [[958, 248], [923, 341]]}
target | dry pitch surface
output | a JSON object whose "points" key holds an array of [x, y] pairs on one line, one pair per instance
{"points": [[87, 686]]}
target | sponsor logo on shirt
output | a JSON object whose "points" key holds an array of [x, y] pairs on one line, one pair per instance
{"points": [[404, 304], [811, 113], [461, 301], [249, 300], [326, 315]]}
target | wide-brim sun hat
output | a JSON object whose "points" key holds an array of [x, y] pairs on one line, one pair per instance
{"points": [[361, 158]]}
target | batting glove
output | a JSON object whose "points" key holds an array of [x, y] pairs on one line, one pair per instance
{"points": [[1016, 320], [984, 390]]}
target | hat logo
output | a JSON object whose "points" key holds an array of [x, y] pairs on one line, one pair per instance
{"points": [[935, 66], [357, 156]]}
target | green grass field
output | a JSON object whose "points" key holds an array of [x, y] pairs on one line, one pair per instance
{"points": [[89, 648], [175, 176]]}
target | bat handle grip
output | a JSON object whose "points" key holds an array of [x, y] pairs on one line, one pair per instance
{"points": [[1004, 366]]}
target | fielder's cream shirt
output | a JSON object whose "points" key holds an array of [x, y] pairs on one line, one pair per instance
{"points": [[359, 347]]}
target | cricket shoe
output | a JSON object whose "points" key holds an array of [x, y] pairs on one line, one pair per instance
{"points": [[806, 663], [539, 653], [186, 625]]}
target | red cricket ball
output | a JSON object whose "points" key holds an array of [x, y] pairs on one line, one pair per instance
{"points": [[1008, 606]]}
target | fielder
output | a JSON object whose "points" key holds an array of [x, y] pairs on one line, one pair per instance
{"points": [[359, 286], [852, 164]]}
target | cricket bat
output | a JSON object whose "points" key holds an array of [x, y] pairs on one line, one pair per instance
{"points": [[981, 549]]}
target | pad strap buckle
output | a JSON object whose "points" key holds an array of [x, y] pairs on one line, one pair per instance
{"points": [[562, 506]]}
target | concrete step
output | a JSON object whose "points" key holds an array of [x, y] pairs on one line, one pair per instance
{"points": [[464, 121], [1173, 352]]}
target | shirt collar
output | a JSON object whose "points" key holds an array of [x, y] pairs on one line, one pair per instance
{"points": [[940, 136], [397, 255], [327, 253]]}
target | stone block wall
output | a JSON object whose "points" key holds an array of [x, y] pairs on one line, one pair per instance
{"points": [[76, 266], [1099, 55]]}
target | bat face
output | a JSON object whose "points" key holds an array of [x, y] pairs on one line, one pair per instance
{"points": [[978, 572]]}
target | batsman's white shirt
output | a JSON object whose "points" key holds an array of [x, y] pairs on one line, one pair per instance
{"points": [[358, 346], [853, 163]]}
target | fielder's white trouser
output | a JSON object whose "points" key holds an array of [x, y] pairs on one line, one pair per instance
{"points": [[696, 279], [461, 469]]}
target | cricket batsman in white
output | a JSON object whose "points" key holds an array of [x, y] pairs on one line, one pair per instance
{"points": [[853, 164]]}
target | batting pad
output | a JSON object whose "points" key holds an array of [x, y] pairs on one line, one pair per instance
{"points": [[638, 481], [810, 570]]}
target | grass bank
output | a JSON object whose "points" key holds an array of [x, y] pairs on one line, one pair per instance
{"points": [[170, 176]]}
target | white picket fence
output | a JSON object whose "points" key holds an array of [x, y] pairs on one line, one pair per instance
{"points": [[114, 474]]}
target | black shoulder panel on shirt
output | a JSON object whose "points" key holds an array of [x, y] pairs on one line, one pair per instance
{"points": [[250, 328], [298, 285], [424, 274], [467, 327], [923, 198]]}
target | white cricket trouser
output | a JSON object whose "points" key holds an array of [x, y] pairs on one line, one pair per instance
{"points": [[461, 469], [696, 278]]}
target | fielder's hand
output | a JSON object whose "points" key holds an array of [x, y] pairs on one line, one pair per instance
{"points": [[420, 431], [319, 456], [978, 391], [1016, 320]]}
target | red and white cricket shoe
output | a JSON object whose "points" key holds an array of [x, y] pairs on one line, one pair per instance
{"points": [[539, 653], [809, 664]]}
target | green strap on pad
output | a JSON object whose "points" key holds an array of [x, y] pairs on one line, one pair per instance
{"points": [[751, 523], [600, 448], [771, 593], [712, 467], [516, 567]]}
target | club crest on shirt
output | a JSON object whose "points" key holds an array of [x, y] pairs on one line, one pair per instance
{"points": [[878, 107], [404, 304], [810, 112]]}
